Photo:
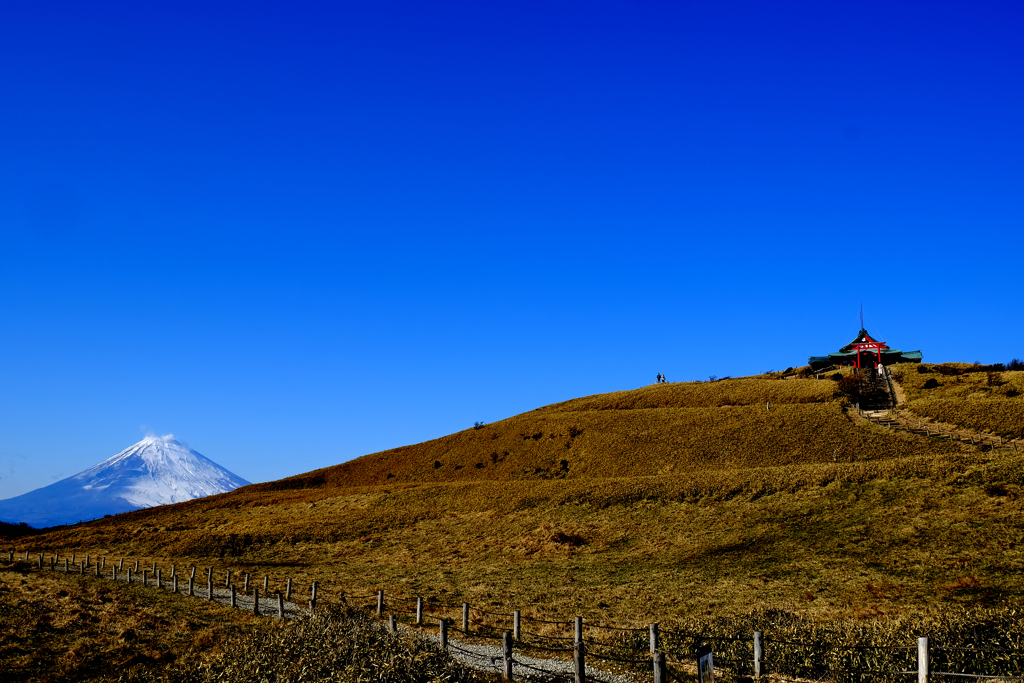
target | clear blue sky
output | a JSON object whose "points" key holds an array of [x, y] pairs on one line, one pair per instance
{"points": [[295, 233]]}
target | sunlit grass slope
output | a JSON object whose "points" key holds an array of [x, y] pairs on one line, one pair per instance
{"points": [[957, 393], [735, 423], [657, 503]]}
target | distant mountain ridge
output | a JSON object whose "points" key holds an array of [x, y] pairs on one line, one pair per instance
{"points": [[158, 470]]}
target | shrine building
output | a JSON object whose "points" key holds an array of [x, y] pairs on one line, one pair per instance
{"points": [[864, 352]]}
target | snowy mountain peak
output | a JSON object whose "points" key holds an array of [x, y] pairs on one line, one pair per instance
{"points": [[155, 471]]}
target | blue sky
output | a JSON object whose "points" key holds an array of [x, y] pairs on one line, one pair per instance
{"points": [[295, 235]]}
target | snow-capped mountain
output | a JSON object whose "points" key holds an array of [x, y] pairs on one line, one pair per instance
{"points": [[156, 471]]}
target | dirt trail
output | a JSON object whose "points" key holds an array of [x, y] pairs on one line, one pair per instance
{"points": [[904, 419]]}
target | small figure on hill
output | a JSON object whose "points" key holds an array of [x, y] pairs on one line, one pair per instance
{"points": [[659, 379], [663, 380]]}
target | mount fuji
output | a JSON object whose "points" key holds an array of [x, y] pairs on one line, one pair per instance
{"points": [[156, 471]]}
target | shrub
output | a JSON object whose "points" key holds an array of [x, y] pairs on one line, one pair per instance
{"points": [[1015, 364], [932, 383], [337, 643]]}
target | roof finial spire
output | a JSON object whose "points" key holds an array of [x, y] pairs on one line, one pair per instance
{"points": [[862, 316]]}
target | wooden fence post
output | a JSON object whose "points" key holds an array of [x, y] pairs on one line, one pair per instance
{"points": [[40, 560], [280, 606], [266, 585], [193, 574], [578, 654], [97, 565], [312, 601], [227, 581], [191, 586], [87, 562], [104, 561], [654, 637], [129, 571], [74, 562], [288, 590], [145, 577], [516, 623], [81, 567], [10, 556], [659, 667], [391, 623], [758, 654], [233, 604], [380, 603], [506, 652], [154, 568], [245, 586], [113, 572], [159, 579], [136, 566], [174, 581], [209, 586], [120, 566], [255, 600], [465, 617], [922, 660], [419, 611], [442, 633]]}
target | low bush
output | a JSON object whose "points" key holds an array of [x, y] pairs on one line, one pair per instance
{"points": [[338, 643]]}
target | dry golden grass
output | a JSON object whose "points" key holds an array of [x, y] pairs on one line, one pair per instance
{"points": [[67, 628], [674, 500], [988, 402]]}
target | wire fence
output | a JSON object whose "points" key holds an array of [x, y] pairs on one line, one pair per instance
{"points": [[736, 655]]}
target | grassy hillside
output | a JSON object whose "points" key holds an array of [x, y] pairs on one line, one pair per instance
{"points": [[655, 504], [974, 396]]}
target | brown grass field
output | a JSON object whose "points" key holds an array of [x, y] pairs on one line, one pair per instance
{"points": [[666, 503]]}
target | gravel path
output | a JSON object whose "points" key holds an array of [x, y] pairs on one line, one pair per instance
{"points": [[489, 659]]}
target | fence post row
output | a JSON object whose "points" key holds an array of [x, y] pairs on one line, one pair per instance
{"points": [[758, 654], [508, 637], [922, 660]]}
